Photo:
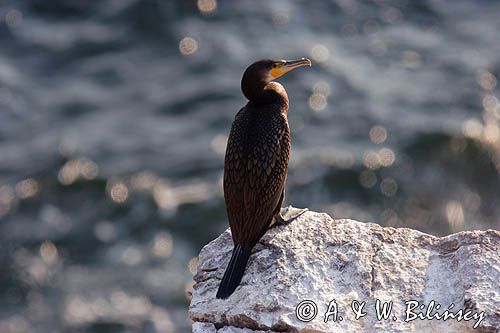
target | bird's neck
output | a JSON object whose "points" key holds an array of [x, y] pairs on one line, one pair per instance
{"points": [[270, 93]]}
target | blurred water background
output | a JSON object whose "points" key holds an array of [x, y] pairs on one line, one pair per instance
{"points": [[114, 117]]}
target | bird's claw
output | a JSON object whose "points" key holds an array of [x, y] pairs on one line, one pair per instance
{"points": [[288, 214]]}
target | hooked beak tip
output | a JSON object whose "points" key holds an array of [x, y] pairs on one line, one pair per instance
{"points": [[298, 63]]}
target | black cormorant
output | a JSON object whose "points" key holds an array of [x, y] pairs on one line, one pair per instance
{"points": [[256, 162]]}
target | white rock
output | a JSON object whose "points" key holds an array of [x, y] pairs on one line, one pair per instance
{"points": [[320, 259], [199, 327]]}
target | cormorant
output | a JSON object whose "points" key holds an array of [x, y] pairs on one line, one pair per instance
{"points": [[256, 163]]}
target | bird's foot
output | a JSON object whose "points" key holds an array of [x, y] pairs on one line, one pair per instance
{"points": [[288, 214]]}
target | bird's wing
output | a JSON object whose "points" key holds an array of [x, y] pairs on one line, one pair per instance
{"points": [[235, 170], [267, 176], [255, 179]]}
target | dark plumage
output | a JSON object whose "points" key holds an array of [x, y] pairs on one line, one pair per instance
{"points": [[256, 163]]}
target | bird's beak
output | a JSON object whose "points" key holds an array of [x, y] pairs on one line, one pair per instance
{"points": [[287, 65]]}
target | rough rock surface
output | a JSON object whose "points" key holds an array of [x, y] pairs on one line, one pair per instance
{"points": [[318, 258]]}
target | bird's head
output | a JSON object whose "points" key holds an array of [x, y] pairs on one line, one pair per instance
{"points": [[260, 73]]}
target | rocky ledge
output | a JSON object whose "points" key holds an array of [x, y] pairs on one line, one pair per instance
{"points": [[318, 274]]}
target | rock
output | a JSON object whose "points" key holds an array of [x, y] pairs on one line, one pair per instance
{"points": [[200, 327], [319, 259]]}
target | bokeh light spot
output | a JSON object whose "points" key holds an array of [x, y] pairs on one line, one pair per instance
{"points": [[371, 160], [317, 102], [320, 53], [118, 192], [386, 157], [207, 6], [27, 188], [76, 169], [188, 45], [378, 134], [388, 187], [193, 265], [490, 103], [132, 256], [88, 169], [49, 253], [487, 81], [164, 196], [162, 245], [472, 128]]}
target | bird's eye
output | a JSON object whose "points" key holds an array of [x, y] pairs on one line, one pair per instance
{"points": [[274, 65]]}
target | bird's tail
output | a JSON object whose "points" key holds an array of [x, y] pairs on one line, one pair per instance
{"points": [[234, 271]]}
